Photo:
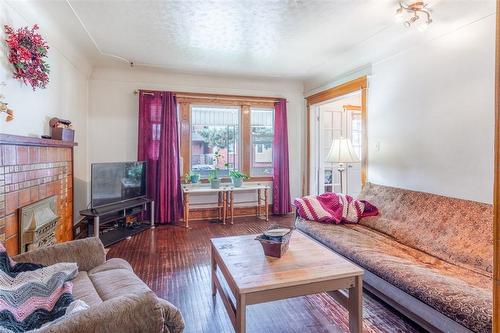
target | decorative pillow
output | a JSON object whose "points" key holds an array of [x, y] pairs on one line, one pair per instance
{"points": [[32, 294], [333, 208]]}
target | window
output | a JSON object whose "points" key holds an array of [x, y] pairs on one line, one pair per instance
{"points": [[215, 137], [262, 131], [238, 129]]}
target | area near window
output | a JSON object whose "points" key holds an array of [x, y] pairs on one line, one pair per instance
{"points": [[262, 131], [227, 133], [215, 139]]}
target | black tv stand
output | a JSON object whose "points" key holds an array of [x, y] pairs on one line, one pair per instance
{"points": [[111, 213]]}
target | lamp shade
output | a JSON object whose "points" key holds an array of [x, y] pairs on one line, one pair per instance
{"points": [[342, 151]]}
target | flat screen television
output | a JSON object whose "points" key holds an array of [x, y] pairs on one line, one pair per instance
{"points": [[117, 182]]}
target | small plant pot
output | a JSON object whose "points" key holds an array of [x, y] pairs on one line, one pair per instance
{"points": [[215, 183], [237, 182], [195, 179]]}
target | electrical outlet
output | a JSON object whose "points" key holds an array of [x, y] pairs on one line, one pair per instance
{"points": [[377, 146]]}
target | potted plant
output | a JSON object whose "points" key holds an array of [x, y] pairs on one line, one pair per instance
{"points": [[213, 178], [192, 177], [213, 175], [237, 177]]}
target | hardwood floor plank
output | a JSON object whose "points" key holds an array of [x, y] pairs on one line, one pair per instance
{"points": [[175, 263]]}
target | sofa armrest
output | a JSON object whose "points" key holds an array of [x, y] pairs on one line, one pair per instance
{"points": [[87, 253], [124, 314], [173, 321]]}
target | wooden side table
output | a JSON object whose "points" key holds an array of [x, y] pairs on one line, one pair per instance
{"points": [[188, 190], [262, 200]]}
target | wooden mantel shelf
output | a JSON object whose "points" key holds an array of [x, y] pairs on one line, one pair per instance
{"points": [[10, 139]]}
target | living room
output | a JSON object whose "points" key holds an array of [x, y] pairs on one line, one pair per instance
{"points": [[178, 132]]}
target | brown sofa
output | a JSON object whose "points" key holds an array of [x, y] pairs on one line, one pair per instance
{"points": [[119, 301], [428, 256]]}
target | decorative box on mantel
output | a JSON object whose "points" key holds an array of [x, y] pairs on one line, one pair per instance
{"points": [[32, 169]]}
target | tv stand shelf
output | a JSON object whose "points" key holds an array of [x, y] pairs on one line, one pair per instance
{"points": [[112, 213]]}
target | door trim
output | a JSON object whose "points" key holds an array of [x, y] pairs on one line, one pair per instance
{"points": [[359, 84], [496, 195]]}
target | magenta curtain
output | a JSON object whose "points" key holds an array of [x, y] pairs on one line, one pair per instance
{"points": [[159, 147], [281, 180]]}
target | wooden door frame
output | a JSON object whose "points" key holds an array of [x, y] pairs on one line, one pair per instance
{"points": [[496, 195], [359, 84]]}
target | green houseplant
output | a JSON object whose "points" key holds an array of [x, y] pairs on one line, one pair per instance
{"points": [[213, 178], [192, 177], [237, 177], [213, 175]]}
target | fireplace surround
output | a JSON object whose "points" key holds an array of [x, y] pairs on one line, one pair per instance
{"points": [[32, 169]]}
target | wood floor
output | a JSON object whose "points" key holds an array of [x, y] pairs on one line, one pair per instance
{"points": [[175, 263]]}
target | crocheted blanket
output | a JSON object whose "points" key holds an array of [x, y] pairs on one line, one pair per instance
{"points": [[333, 208], [31, 294]]}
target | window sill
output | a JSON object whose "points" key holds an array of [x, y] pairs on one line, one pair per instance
{"points": [[227, 180]]}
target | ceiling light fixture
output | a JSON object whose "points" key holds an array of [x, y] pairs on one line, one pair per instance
{"points": [[415, 10]]}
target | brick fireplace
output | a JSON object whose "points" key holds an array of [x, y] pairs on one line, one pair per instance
{"points": [[33, 169]]}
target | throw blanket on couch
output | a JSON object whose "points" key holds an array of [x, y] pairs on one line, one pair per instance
{"points": [[333, 208], [31, 294]]}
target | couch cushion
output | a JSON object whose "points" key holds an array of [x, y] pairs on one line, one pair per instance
{"points": [[457, 231], [461, 294], [83, 289], [122, 314], [117, 282], [113, 263]]}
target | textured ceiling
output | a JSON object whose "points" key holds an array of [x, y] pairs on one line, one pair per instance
{"points": [[270, 38], [293, 39]]}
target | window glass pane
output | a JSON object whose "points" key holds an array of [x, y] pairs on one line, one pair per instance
{"points": [[356, 132], [262, 131], [328, 177], [215, 129]]}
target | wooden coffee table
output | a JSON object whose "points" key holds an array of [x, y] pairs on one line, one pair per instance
{"points": [[307, 268]]}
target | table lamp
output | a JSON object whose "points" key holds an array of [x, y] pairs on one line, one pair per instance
{"points": [[342, 152]]}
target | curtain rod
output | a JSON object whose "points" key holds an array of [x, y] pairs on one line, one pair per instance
{"points": [[220, 96], [136, 92]]}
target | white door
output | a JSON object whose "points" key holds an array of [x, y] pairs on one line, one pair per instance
{"points": [[333, 122], [353, 172], [331, 127]]}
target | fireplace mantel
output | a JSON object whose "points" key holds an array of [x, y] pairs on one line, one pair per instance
{"points": [[10, 139]]}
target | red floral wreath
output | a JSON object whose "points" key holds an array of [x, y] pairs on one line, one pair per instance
{"points": [[27, 50]]}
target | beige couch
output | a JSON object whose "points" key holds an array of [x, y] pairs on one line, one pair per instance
{"points": [[119, 301], [427, 255]]}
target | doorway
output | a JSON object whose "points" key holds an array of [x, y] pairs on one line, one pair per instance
{"points": [[339, 112], [332, 120]]}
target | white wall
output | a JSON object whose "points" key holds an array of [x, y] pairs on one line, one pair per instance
{"points": [[65, 96], [113, 109], [431, 110]]}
